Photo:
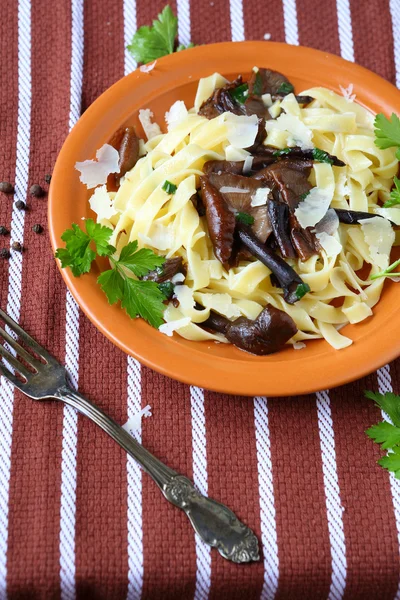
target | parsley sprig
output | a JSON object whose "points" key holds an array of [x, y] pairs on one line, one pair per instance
{"points": [[387, 132], [386, 433], [152, 42], [139, 298], [388, 272], [394, 197]]}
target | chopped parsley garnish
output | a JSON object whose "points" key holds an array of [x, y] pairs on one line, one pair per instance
{"points": [[152, 42], [394, 197], [322, 156], [388, 272], [301, 290], [285, 88], [240, 93], [169, 187], [244, 218], [282, 152], [387, 131], [258, 85], [167, 288], [139, 298], [304, 196], [386, 433]]}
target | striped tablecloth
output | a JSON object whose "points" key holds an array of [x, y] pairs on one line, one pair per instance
{"points": [[77, 520]]}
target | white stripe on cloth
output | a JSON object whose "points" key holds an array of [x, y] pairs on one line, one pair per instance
{"points": [[199, 451], [345, 29], [15, 266], [134, 472], [332, 497], [385, 385], [290, 22], [326, 431], [70, 416], [237, 21], [395, 14], [183, 13], [267, 502]]}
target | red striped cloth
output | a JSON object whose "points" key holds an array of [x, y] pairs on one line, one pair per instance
{"points": [[77, 520]]}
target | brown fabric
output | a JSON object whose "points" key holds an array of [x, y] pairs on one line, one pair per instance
{"points": [[101, 534]]}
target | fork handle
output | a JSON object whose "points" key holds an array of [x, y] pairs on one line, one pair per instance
{"points": [[216, 524]]}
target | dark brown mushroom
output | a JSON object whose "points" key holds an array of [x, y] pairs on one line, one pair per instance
{"points": [[126, 142], [266, 334], [223, 166], [289, 177], [279, 218], [221, 101], [303, 240], [352, 217], [266, 81], [166, 272], [297, 152], [220, 220]]}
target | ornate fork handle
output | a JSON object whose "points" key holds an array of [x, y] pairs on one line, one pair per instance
{"points": [[216, 524]]}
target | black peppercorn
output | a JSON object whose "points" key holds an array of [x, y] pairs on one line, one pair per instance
{"points": [[6, 187], [37, 228], [4, 253], [36, 190], [16, 246], [47, 178], [20, 205], [3, 230]]}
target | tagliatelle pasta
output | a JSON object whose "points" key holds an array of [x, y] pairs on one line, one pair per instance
{"points": [[170, 225]]}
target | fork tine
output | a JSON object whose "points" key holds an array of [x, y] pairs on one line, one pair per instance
{"points": [[14, 362], [8, 375], [31, 360], [26, 337]]}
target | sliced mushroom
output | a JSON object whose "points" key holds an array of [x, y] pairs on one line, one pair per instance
{"points": [[223, 166], [268, 333], [266, 81], [126, 142], [290, 177], [297, 152], [166, 272], [279, 218], [221, 101], [352, 217], [220, 220], [303, 240]]}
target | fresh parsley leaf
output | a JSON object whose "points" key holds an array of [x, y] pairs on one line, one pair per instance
{"points": [[144, 299], [394, 198], [150, 43], [389, 403], [304, 196], [112, 284], [322, 156], [387, 131], [282, 152], [167, 288], [384, 433], [183, 47], [285, 88], [244, 218], [301, 290], [258, 85], [391, 462], [240, 93], [78, 255], [169, 187], [388, 272], [141, 261]]}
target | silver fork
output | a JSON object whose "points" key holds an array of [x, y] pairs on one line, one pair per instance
{"points": [[47, 379]]}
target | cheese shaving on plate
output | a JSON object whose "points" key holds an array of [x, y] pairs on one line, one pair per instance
{"points": [[314, 207], [260, 197], [95, 172], [102, 204], [151, 129], [298, 133], [379, 236], [176, 114], [171, 326], [241, 130], [147, 68]]}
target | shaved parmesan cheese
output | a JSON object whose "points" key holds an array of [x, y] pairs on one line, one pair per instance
{"points": [[248, 163], [160, 237], [102, 204], [267, 36], [299, 345], [226, 189], [184, 294], [147, 68], [169, 328], [241, 130], [267, 100], [222, 304], [260, 197], [235, 154], [392, 213], [178, 278], [298, 133], [255, 69], [329, 223], [329, 243], [95, 172], [313, 208], [348, 92], [379, 236], [275, 109], [176, 114], [151, 129]]}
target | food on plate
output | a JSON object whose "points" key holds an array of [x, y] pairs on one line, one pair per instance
{"points": [[259, 217]]}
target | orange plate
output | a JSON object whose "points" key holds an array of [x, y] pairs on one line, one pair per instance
{"points": [[218, 366]]}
